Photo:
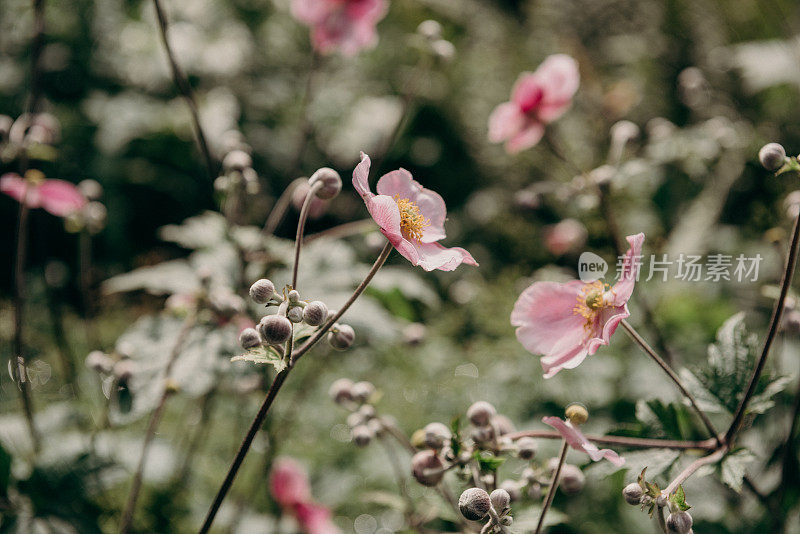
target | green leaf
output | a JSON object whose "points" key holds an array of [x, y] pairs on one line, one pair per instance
{"points": [[733, 468], [455, 438], [679, 499], [488, 461], [263, 355]]}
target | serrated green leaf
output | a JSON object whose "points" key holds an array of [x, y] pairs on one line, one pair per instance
{"points": [[487, 461], [733, 468], [261, 355], [678, 499]]}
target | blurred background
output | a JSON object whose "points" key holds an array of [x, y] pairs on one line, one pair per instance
{"points": [[703, 83]]}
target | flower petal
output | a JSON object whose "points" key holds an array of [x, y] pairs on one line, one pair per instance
{"points": [[288, 482], [361, 178], [527, 92], [401, 184], [60, 198], [13, 185], [623, 289], [527, 137], [578, 441], [559, 78], [435, 256], [607, 322], [505, 121]]}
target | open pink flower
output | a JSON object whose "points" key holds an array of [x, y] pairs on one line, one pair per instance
{"points": [[411, 217], [565, 322], [578, 441], [346, 25], [537, 98], [290, 488], [56, 196]]}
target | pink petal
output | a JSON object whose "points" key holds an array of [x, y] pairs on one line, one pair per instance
{"points": [[310, 11], [559, 78], [623, 289], [13, 185], [315, 519], [383, 210], [400, 184], [361, 178], [288, 483], [607, 322], [527, 92], [60, 198], [529, 136], [578, 441], [435, 256], [505, 121]]}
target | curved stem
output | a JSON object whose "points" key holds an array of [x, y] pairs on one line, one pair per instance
{"points": [[623, 441], [674, 377], [281, 205], [301, 226], [186, 91], [342, 230], [774, 324], [712, 458], [551, 492]]}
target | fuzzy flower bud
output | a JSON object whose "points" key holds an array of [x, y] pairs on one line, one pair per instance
{"points": [[249, 338], [572, 478], [98, 361], [577, 414], [679, 523], [772, 156], [430, 29], [481, 413], [315, 313], [362, 435], [362, 391], [275, 329], [427, 468], [436, 435], [262, 291], [474, 504], [341, 390], [512, 488], [526, 448], [91, 189], [237, 160], [633, 493], [342, 337], [294, 296], [500, 500], [295, 314], [331, 183]]}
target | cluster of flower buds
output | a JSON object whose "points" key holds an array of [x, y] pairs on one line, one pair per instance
{"points": [[358, 398], [33, 133], [237, 166], [649, 496], [430, 32], [330, 185], [92, 216], [476, 504]]}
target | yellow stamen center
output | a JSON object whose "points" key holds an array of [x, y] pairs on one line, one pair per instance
{"points": [[412, 222], [591, 300]]}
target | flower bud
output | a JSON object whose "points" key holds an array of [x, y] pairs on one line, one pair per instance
{"points": [[367, 411], [99, 361], [772, 156], [295, 314], [91, 189], [480, 413], [483, 434], [661, 500], [577, 414], [414, 333], [331, 183], [341, 390], [262, 291], [315, 313], [362, 391], [430, 29], [474, 504], [633, 493], [535, 491], [95, 215], [527, 447], [354, 420], [249, 338], [294, 296], [237, 160], [275, 329], [124, 369], [500, 500], [342, 337], [427, 468], [362, 435], [572, 478], [443, 49], [502, 424], [375, 426], [436, 435], [679, 523], [512, 488], [528, 475]]}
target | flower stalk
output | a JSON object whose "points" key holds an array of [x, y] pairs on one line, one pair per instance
{"points": [[551, 492]]}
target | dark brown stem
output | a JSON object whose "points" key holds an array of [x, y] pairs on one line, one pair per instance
{"points": [[186, 91], [623, 441], [152, 426], [551, 491], [774, 324], [674, 377], [301, 226]]}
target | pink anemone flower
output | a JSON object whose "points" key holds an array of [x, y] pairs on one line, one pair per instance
{"points": [[346, 25], [411, 217], [290, 488], [579, 442], [537, 99], [55, 196], [565, 322]]}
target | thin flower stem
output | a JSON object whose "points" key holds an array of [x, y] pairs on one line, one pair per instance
{"points": [[301, 226], [401, 438], [495, 520], [551, 492], [394, 461], [306, 126], [183, 86], [712, 458], [152, 425], [342, 230], [278, 211], [279, 380], [623, 441], [674, 377], [774, 324]]}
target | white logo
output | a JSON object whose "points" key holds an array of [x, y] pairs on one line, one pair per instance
{"points": [[591, 267]]}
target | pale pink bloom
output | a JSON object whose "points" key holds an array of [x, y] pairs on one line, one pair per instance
{"points": [[346, 25], [578, 441], [565, 322], [411, 217], [56, 196], [567, 236], [537, 98], [288, 483]]}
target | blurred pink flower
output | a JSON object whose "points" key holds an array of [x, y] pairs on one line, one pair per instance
{"points": [[565, 322], [578, 441], [290, 488], [56, 196], [346, 25], [537, 99], [411, 217], [565, 236]]}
